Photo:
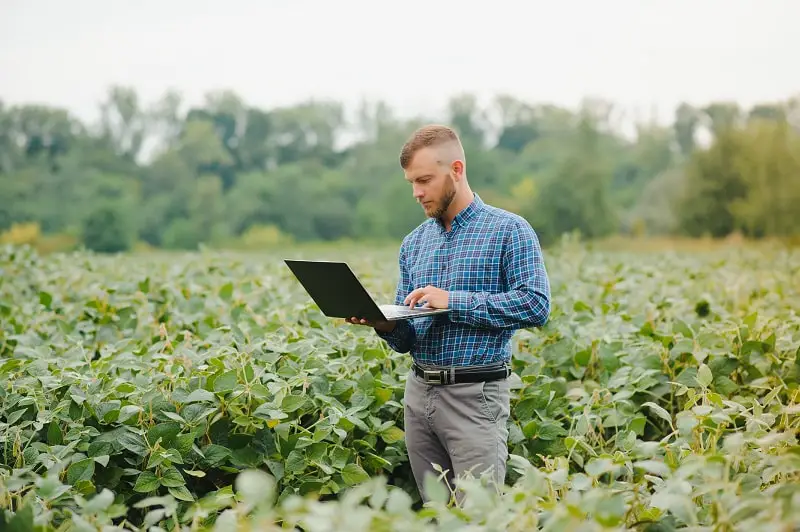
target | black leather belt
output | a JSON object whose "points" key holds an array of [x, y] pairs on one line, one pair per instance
{"points": [[457, 375]]}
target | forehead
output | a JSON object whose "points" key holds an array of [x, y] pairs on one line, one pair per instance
{"points": [[424, 161]]}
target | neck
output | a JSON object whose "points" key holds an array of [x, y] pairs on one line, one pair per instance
{"points": [[460, 202]]}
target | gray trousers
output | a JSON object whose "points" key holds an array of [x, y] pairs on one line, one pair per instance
{"points": [[460, 427]]}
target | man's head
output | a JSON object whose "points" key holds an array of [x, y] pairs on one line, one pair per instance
{"points": [[434, 163]]}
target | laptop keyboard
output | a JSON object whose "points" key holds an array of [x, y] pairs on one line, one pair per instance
{"points": [[405, 312]]}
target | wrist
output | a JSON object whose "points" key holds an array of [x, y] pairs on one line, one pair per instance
{"points": [[385, 327]]}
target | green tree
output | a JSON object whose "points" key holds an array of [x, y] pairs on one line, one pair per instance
{"points": [[109, 227], [575, 196], [312, 171], [712, 184], [687, 120], [769, 164]]}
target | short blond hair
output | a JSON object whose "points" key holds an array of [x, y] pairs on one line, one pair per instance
{"points": [[426, 137]]}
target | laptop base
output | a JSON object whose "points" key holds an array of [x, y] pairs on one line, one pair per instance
{"points": [[401, 312]]}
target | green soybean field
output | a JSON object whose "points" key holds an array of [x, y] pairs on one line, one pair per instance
{"points": [[205, 391]]}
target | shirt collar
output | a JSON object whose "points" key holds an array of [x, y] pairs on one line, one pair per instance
{"points": [[466, 213]]}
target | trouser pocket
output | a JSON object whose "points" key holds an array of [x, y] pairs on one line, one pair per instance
{"points": [[494, 399]]}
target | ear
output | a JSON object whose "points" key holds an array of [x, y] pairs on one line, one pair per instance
{"points": [[457, 167]]}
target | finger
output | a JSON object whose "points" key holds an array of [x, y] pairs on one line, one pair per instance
{"points": [[414, 297], [420, 294], [411, 295]]}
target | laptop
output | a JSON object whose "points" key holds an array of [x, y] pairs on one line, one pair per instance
{"points": [[339, 294]]}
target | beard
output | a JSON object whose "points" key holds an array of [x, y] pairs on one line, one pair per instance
{"points": [[447, 198]]}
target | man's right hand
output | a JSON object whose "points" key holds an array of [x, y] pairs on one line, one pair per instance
{"points": [[382, 326]]}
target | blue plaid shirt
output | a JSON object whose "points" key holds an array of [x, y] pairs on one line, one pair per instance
{"points": [[491, 264]]}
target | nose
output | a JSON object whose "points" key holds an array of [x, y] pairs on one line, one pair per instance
{"points": [[417, 191]]}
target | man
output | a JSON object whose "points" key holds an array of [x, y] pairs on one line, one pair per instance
{"points": [[484, 264]]}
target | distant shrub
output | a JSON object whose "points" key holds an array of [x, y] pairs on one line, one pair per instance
{"points": [[22, 233]]}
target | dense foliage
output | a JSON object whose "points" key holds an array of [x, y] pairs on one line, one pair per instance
{"points": [[200, 390], [227, 173]]}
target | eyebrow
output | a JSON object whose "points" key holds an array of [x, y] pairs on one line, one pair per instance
{"points": [[419, 177]]}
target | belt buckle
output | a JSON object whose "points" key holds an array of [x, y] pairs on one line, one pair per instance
{"points": [[432, 376]]}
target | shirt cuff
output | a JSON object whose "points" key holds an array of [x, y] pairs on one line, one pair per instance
{"points": [[397, 334], [461, 300]]}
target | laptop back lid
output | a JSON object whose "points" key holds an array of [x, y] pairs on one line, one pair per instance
{"points": [[335, 289]]}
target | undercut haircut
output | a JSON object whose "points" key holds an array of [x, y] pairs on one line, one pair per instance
{"points": [[427, 137]]}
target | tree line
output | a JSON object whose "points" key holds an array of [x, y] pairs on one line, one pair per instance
{"points": [[172, 176]]}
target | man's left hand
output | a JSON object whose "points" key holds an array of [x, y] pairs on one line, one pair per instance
{"points": [[430, 295]]}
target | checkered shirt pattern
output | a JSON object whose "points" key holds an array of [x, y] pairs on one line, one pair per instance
{"points": [[491, 264]]}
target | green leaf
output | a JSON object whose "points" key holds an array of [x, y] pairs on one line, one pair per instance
{"points": [[723, 366], [392, 435], [14, 417], [165, 432], [659, 411], [46, 299], [550, 431], [22, 521], [435, 489], [610, 511], [144, 286], [200, 395], [174, 417], [181, 493], [704, 376], [100, 502], [750, 320], [725, 385], [226, 291], [354, 474], [339, 457], [637, 425], [171, 477], [215, 454], [225, 382], [525, 409], [82, 470], [582, 358], [133, 443], [127, 411], [653, 467], [54, 434], [146, 482], [291, 403], [255, 486], [295, 462], [686, 422], [681, 327], [598, 466]]}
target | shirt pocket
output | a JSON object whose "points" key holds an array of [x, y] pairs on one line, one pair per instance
{"points": [[478, 272]]}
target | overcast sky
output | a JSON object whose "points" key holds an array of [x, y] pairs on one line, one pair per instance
{"points": [[414, 53]]}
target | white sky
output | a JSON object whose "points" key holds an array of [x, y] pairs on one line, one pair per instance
{"points": [[414, 54]]}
